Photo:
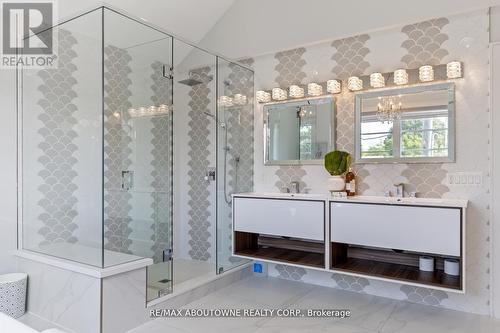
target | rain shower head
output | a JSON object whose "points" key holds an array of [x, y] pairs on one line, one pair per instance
{"points": [[190, 82], [195, 79]]}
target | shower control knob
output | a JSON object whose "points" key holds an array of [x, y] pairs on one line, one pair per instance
{"points": [[210, 174]]}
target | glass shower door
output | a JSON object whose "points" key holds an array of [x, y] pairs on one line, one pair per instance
{"points": [[138, 147], [235, 151]]}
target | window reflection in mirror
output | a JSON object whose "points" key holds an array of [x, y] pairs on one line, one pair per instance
{"points": [[411, 125], [298, 132]]}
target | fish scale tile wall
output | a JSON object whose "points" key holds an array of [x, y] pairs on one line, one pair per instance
{"points": [[430, 42]]}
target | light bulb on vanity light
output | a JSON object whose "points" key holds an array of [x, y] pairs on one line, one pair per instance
{"points": [[296, 91], [225, 101], [163, 108], [314, 89], [426, 73], [400, 77], [377, 80], [333, 86], [279, 94], [454, 70], [240, 99], [263, 96], [354, 83]]}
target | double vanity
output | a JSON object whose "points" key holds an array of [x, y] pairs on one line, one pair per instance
{"points": [[376, 237]]}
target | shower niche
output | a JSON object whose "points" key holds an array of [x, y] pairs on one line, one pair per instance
{"points": [[104, 152]]}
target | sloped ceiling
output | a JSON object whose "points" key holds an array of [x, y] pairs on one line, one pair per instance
{"points": [[251, 28], [188, 19]]}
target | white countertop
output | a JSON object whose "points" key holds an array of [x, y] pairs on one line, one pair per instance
{"points": [[458, 203], [278, 195]]}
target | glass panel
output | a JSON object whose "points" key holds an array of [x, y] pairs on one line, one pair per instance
{"points": [[138, 148], [60, 146], [235, 142], [195, 162]]}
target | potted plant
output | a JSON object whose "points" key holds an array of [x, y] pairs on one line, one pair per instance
{"points": [[337, 163]]}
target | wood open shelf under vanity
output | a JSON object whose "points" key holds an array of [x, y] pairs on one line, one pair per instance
{"points": [[281, 249], [390, 264]]}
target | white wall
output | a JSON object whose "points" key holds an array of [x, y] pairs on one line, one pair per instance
{"points": [[8, 212], [495, 109], [495, 24], [256, 27]]}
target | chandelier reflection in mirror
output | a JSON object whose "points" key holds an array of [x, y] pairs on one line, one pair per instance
{"points": [[389, 108]]}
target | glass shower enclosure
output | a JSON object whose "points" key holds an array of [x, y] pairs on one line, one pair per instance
{"points": [[130, 147]]}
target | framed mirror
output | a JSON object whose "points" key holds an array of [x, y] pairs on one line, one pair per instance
{"points": [[301, 131], [408, 125]]}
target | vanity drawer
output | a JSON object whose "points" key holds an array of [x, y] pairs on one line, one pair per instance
{"points": [[420, 229], [280, 217]]}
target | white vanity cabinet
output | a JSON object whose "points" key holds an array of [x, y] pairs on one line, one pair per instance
{"points": [[297, 218], [385, 238], [286, 228], [374, 237], [434, 230]]}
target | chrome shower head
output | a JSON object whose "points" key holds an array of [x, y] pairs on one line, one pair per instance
{"points": [[196, 79], [190, 82]]}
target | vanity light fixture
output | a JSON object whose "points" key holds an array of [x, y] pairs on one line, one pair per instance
{"points": [[314, 89], [279, 94], [296, 91], [454, 70], [426, 73], [263, 96], [240, 99], [377, 80], [400, 77], [354, 83], [226, 101], [151, 110], [333, 86], [162, 109]]}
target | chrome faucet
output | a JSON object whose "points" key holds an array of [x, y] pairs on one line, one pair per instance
{"points": [[295, 187], [400, 190]]}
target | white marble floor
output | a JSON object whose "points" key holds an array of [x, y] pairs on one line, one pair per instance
{"points": [[187, 273], [369, 313]]}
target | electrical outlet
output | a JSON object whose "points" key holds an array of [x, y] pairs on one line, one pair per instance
{"points": [[464, 179]]}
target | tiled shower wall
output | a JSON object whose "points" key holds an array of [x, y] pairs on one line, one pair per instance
{"points": [[239, 122], [61, 155], [199, 205], [137, 221], [200, 142], [463, 37]]}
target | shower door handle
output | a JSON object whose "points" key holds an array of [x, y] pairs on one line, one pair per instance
{"points": [[167, 72], [167, 255]]}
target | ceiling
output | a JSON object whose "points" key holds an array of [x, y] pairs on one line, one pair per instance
{"points": [[256, 27], [238, 28], [188, 19]]}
